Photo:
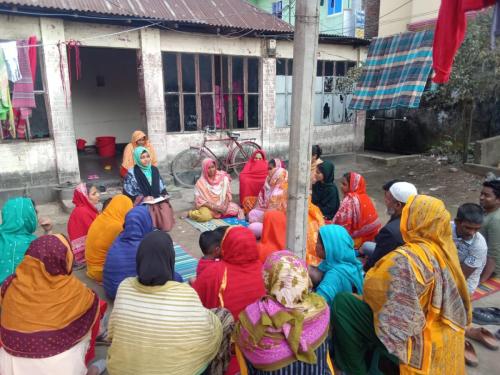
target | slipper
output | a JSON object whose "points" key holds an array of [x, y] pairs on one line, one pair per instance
{"points": [[483, 317], [493, 310], [497, 334], [484, 337], [470, 355]]}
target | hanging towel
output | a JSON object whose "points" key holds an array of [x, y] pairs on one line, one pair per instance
{"points": [[11, 59], [23, 96], [32, 52], [6, 112]]}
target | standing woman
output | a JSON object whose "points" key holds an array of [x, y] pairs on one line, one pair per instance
{"points": [[85, 199], [252, 179], [213, 197], [138, 139], [274, 193], [19, 222], [325, 194], [357, 212]]}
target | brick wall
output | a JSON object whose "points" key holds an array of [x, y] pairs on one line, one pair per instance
{"points": [[372, 14]]}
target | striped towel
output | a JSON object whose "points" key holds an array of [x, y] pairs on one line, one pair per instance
{"points": [[395, 72], [185, 264], [23, 96]]}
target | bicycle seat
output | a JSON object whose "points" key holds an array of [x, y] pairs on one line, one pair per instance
{"points": [[233, 135]]}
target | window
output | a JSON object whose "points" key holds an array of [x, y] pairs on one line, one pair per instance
{"points": [[333, 92], [334, 7], [213, 91], [35, 126], [278, 9]]}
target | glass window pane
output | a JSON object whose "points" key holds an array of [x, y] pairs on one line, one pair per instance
{"points": [[318, 84], [319, 68], [225, 67], [220, 110], [217, 71], [207, 111], [170, 72], [281, 67], [318, 109], [280, 84], [206, 73], [350, 65], [188, 75], [328, 110], [289, 109], [280, 110], [38, 79], [237, 75], [253, 74], [328, 84], [238, 111], [253, 111], [328, 68], [172, 110], [190, 118], [290, 67], [340, 68], [39, 124], [338, 108]]}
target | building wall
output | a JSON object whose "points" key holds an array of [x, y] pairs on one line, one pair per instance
{"points": [[396, 16]]}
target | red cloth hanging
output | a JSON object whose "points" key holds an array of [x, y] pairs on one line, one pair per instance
{"points": [[450, 32]]}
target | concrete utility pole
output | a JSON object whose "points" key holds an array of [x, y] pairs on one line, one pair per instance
{"points": [[304, 72]]}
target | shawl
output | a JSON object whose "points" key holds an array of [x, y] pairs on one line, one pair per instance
{"points": [[128, 152], [81, 218], [214, 191], [418, 293], [138, 166], [19, 222], [342, 271], [325, 194], [121, 257], [274, 193], [155, 259], [45, 309], [253, 176], [289, 323], [357, 213], [103, 232], [236, 280], [273, 234]]}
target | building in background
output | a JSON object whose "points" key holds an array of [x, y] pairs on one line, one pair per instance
{"points": [[337, 17]]}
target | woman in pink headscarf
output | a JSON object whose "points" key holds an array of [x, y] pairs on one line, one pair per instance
{"points": [[213, 198]]}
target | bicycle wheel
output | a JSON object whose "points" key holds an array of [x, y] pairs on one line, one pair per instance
{"points": [[186, 166], [242, 154]]}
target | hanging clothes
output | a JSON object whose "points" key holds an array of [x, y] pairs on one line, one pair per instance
{"points": [[23, 96], [11, 60], [6, 112]]}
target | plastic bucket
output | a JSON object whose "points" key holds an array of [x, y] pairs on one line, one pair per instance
{"points": [[80, 144], [106, 146]]}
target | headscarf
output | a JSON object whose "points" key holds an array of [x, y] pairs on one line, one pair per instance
{"points": [[357, 213], [219, 175], [128, 153], [235, 281], [289, 323], [252, 177], [19, 222], [342, 271], [273, 194], [155, 259], [80, 220], [325, 194], [146, 169], [103, 231], [273, 234], [45, 309], [121, 257], [215, 190]]}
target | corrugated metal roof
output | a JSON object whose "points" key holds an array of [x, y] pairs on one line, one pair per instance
{"points": [[237, 14]]}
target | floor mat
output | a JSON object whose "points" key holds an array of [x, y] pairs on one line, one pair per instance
{"points": [[185, 264], [486, 288], [215, 223]]}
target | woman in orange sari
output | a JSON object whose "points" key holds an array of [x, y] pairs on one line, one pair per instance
{"points": [[274, 193], [138, 139], [357, 212], [252, 179]]}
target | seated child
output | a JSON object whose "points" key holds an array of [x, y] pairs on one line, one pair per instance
{"points": [[210, 242]]}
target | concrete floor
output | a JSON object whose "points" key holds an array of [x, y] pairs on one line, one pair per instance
{"points": [[430, 176]]}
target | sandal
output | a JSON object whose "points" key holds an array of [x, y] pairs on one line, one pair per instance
{"points": [[493, 310], [470, 355], [483, 336], [497, 334], [484, 317]]}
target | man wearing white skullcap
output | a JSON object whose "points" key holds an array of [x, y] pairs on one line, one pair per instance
{"points": [[389, 238]]}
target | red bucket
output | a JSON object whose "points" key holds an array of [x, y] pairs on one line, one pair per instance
{"points": [[106, 146], [80, 144]]}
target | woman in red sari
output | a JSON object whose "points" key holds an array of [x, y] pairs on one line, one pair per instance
{"points": [[85, 199], [252, 179], [357, 213]]}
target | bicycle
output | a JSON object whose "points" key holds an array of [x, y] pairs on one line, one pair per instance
{"points": [[186, 166]]}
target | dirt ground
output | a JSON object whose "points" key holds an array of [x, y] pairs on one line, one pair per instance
{"points": [[433, 177]]}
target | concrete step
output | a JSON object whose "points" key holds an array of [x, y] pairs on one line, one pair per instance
{"points": [[384, 158]]}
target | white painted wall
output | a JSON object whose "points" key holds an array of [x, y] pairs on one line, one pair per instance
{"points": [[110, 110]]}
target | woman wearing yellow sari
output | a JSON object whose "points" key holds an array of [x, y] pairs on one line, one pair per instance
{"points": [[415, 301]]}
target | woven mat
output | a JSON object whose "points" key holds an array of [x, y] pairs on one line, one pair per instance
{"points": [[486, 288], [215, 223], [185, 264]]}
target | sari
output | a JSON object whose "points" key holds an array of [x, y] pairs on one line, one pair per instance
{"points": [[342, 272], [213, 198], [287, 325], [128, 152], [120, 260], [38, 326], [79, 222], [19, 222], [159, 326], [418, 293], [357, 213], [103, 231], [273, 195], [236, 280], [252, 179], [325, 194]]}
